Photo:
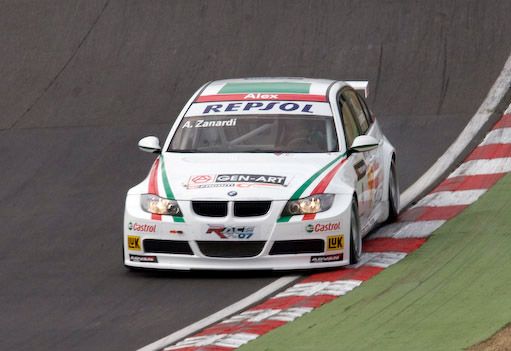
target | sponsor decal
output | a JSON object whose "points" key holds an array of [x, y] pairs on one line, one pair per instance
{"points": [[137, 227], [327, 258], [201, 123], [134, 243], [145, 259], [250, 178], [223, 232], [175, 232], [335, 242], [360, 169], [260, 96], [255, 107], [201, 179], [231, 180], [320, 228]]}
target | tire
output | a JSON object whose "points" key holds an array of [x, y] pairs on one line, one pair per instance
{"points": [[355, 237], [393, 193]]}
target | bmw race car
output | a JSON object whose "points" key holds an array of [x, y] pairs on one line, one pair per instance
{"points": [[263, 173]]}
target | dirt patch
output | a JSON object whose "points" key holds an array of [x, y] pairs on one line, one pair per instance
{"points": [[500, 341]]}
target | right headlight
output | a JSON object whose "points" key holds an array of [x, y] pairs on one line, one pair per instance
{"points": [[307, 205], [159, 205]]}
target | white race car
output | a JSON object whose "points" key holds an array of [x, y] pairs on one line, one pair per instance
{"points": [[263, 173]]}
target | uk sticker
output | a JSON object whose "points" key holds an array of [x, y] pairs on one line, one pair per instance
{"points": [[134, 243], [335, 243]]}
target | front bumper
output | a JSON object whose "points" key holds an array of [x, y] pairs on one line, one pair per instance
{"points": [[272, 245]]}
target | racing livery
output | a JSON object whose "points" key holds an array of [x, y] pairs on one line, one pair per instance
{"points": [[263, 173]]}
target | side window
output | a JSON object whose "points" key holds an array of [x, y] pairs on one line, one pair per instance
{"points": [[358, 112], [350, 125], [366, 109]]}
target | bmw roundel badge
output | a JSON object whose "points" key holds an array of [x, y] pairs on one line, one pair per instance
{"points": [[232, 193]]}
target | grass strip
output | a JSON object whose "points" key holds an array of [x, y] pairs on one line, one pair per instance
{"points": [[453, 292]]}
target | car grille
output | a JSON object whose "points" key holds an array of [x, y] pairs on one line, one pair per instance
{"points": [[251, 208], [210, 208], [290, 247], [167, 246], [232, 249]]}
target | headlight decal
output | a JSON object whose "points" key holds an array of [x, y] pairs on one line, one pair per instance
{"points": [[153, 186], [168, 189], [322, 185]]}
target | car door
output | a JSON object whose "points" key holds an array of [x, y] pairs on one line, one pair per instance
{"points": [[356, 160], [375, 171]]}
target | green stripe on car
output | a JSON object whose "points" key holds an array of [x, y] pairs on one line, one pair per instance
{"points": [[168, 190], [275, 87]]}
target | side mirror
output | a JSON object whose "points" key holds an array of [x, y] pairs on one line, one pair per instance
{"points": [[150, 144], [364, 143]]}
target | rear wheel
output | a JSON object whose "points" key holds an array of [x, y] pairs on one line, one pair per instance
{"points": [[355, 237], [393, 194]]}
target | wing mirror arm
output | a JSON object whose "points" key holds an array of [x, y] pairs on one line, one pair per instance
{"points": [[150, 144]]}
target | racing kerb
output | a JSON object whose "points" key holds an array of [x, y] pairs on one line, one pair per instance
{"points": [[484, 166]]}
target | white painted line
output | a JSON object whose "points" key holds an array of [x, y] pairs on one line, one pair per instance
{"points": [[225, 340], [382, 259], [479, 167], [236, 340], [498, 136], [291, 314], [257, 316], [218, 316], [335, 288], [401, 230], [451, 198], [490, 104]]}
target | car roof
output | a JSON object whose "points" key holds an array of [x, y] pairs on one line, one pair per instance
{"points": [[266, 85]]}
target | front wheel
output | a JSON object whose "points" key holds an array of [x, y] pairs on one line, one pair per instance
{"points": [[355, 237], [393, 193]]}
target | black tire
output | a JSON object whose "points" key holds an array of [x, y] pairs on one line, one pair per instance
{"points": [[393, 194], [355, 237]]}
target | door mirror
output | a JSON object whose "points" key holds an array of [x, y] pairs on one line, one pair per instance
{"points": [[364, 143], [150, 144]]}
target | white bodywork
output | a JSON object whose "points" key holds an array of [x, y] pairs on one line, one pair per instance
{"points": [[274, 177]]}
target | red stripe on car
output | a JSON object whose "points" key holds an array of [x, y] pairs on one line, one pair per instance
{"points": [[261, 96], [153, 185]]}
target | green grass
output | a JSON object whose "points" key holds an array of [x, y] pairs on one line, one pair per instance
{"points": [[450, 294]]}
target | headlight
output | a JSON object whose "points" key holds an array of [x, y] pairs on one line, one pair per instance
{"points": [[311, 204], [159, 205]]}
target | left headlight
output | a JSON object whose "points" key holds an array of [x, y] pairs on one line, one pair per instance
{"points": [[310, 204], [159, 205]]}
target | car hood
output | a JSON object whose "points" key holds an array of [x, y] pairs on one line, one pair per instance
{"points": [[249, 176]]}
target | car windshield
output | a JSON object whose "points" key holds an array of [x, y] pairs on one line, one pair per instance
{"points": [[255, 133]]}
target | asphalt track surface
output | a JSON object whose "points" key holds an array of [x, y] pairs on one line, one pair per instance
{"points": [[82, 81]]}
